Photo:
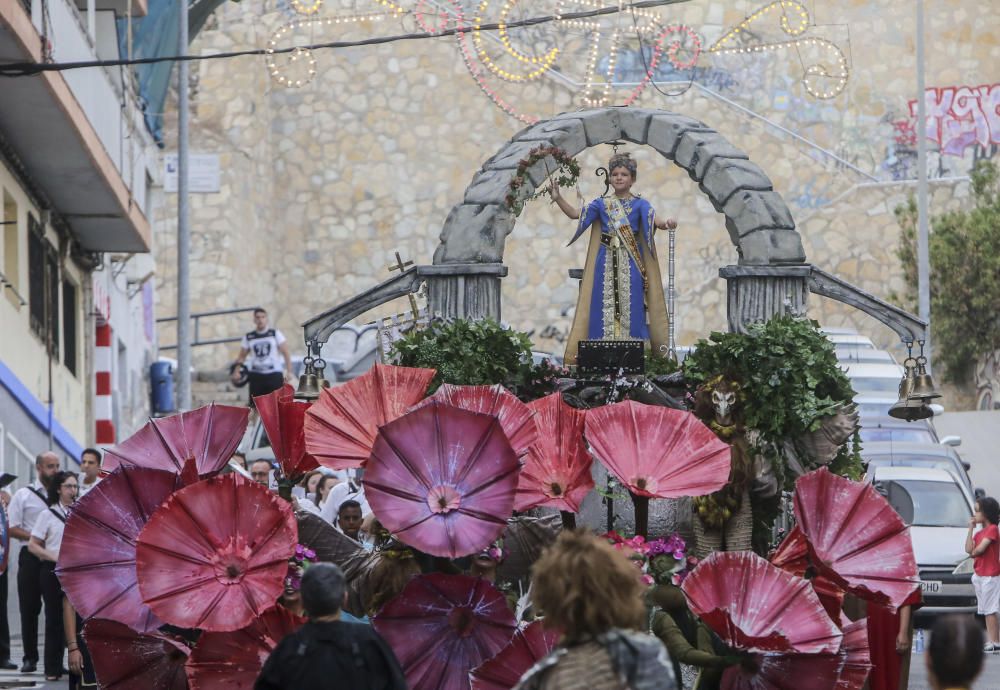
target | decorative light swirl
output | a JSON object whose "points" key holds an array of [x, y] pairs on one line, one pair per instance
{"points": [[537, 65], [814, 74]]}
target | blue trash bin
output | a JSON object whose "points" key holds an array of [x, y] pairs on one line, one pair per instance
{"points": [[161, 383]]}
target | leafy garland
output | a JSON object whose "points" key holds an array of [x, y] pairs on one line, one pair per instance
{"points": [[567, 174]]}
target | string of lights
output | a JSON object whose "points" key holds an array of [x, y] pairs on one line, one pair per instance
{"points": [[24, 69]]}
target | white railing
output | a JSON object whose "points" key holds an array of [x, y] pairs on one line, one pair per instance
{"points": [[104, 94]]}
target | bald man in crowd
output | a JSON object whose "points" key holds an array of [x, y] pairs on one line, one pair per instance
{"points": [[28, 503]]}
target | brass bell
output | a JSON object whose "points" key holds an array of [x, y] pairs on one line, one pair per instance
{"points": [[908, 408], [308, 387], [923, 384]]}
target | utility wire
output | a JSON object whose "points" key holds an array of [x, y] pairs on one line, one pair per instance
{"points": [[24, 69]]}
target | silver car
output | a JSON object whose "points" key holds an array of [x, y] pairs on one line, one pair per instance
{"points": [[937, 506]]}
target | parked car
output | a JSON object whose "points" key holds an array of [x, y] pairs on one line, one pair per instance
{"points": [[870, 377], [937, 508], [851, 354], [926, 455], [890, 429]]}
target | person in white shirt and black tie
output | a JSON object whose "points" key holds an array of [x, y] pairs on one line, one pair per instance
{"points": [[46, 539], [28, 503]]}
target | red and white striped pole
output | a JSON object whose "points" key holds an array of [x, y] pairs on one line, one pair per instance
{"points": [[104, 426]]}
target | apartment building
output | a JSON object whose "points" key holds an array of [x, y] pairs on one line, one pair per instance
{"points": [[77, 167]]}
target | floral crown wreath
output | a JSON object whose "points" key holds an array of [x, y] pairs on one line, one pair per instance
{"points": [[624, 160]]}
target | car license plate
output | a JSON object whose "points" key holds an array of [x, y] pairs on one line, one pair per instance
{"points": [[930, 586]]}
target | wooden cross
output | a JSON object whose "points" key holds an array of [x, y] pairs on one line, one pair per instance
{"points": [[401, 266]]}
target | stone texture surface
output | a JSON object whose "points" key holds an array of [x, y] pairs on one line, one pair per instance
{"points": [[320, 185]]}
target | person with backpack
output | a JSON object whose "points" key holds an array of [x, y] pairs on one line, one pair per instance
{"points": [[328, 648]]}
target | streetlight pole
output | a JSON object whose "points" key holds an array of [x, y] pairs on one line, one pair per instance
{"points": [[183, 221], [923, 231]]}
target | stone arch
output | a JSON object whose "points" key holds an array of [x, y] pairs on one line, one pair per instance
{"points": [[759, 222]]}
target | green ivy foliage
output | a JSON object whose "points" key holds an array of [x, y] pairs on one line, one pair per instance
{"points": [[964, 249], [788, 370], [477, 353]]}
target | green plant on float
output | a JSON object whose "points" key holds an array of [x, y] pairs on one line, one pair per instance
{"points": [[477, 353], [791, 380]]}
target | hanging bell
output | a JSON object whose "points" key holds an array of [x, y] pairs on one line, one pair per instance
{"points": [[908, 408], [308, 387], [923, 385]]}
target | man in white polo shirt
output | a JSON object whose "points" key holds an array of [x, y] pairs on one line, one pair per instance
{"points": [[27, 504], [90, 470], [265, 350]]}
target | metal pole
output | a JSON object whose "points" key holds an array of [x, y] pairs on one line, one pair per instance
{"points": [[671, 343], [183, 222], [923, 231]]}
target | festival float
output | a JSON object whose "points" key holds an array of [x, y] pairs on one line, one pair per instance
{"points": [[473, 458]]}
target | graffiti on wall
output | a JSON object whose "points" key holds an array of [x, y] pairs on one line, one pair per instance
{"points": [[959, 117]]}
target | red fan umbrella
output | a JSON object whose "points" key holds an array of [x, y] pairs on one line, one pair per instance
{"points": [[214, 556], [97, 557], [657, 452], [516, 419], [443, 626], [856, 656], [855, 537], [756, 607], [340, 427], [233, 660], [846, 670], [442, 480], [556, 471], [503, 671], [283, 418], [792, 555], [207, 436], [127, 660]]}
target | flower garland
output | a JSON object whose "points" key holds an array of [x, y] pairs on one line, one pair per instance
{"points": [[298, 564], [566, 175], [660, 560]]}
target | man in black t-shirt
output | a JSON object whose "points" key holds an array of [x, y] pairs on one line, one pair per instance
{"points": [[328, 652], [265, 350]]}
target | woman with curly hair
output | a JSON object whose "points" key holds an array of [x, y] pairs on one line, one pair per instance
{"points": [[592, 594]]}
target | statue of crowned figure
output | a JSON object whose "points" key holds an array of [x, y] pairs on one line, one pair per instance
{"points": [[621, 294]]}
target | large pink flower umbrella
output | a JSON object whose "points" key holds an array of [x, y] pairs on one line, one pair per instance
{"points": [[127, 660], [556, 471], [284, 418], [442, 480], [855, 537], [340, 427], [215, 555], [528, 647], [792, 555], [757, 607], [516, 418], [97, 557], [657, 452], [203, 440], [848, 669], [443, 626], [233, 660]]}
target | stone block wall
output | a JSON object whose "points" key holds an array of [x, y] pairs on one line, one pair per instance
{"points": [[323, 183]]}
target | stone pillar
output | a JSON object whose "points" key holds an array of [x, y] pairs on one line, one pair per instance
{"points": [[464, 291], [758, 293]]}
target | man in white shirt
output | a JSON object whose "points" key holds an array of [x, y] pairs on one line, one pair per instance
{"points": [[266, 348], [90, 470], [25, 508]]}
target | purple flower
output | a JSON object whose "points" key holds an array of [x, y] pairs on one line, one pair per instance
{"points": [[311, 555]]}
